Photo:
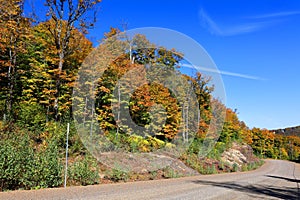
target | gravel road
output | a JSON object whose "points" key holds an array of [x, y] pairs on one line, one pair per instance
{"points": [[276, 179]]}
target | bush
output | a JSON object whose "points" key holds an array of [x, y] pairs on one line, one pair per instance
{"points": [[84, 172], [117, 174], [217, 151], [168, 172], [58, 132], [15, 164], [244, 167], [191, 160], [195, 146], [21, 167], [235, 167], [137, 143], [32, 116], [212, 169], [155, 143], [48, 167]]}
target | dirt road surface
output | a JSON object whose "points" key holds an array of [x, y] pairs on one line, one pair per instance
{"points": [[276, 179]]}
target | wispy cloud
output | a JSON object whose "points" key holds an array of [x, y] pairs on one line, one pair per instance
{"points": [[215, 29], [275, 15], [222, 72]]}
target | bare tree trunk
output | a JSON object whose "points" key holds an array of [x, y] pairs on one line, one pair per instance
{"points": [[64, 24], [187, 123], [10, 86], [130, 53], [11, 76], [119, 112], [85, 110], [58, 82], [92, 121], [183, 121], [198, 118], [187, 113]]}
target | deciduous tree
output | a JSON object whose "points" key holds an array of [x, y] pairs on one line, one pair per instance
{"points": [[65, 16]]}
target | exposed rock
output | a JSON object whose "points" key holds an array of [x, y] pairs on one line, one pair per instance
{"points": [[239, 155], [232, 156], [142, 163]]}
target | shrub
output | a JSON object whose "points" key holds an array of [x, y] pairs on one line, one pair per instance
{"points": [[117, 174], [217, 151], [32, 116], [245, 167], [195, 146], [21, 167], [134, 142], [57, 131], [84, 172], [48, 167], [168, 172], [15, 164], [212, 169], [235, 167], [192, 161], [155, 143], [153, 175], [170, 145]]}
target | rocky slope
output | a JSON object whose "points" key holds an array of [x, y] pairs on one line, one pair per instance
{"points": [[239, 155], [145, 166]]}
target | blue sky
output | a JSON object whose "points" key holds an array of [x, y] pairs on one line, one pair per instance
{"points": [[255, 44]]}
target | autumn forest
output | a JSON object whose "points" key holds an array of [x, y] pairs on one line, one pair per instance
{"points": [[41, 62]]}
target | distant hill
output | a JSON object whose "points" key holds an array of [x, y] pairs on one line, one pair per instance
{"points": [[289, 131]]}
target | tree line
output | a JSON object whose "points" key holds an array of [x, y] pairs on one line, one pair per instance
{"points": [[39, 65]]}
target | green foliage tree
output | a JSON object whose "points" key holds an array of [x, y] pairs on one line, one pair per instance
{"points": [[13, 33], [60, 28], [40, 80]]}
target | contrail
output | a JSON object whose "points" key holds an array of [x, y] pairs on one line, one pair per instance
{"points": [[273, 15], [215, 29], [222, 72]]}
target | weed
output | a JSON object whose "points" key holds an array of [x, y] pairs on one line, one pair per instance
{"points": [[168, 172], [117, 174], [235, 167]]}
